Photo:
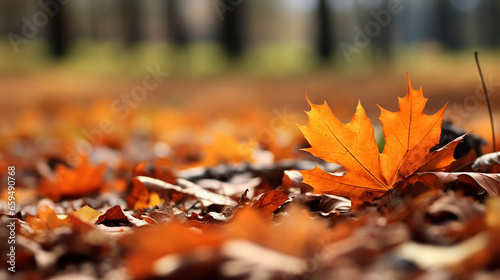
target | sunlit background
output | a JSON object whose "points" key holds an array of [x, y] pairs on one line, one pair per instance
{"points": [[228, 57]]}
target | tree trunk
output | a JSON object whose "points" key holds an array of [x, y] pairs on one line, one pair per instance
{"points": [[449, 26], [131, 22], [325, 31], [176, 28], [231, 36], [58, 39]]}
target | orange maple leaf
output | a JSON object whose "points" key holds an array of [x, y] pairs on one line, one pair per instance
{"points": [[409, 136]]}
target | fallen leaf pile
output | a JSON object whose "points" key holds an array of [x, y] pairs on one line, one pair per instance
{"points": [[179, 196]]}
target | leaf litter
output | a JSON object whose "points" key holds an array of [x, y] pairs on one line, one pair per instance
{"points": [[234, 208]]}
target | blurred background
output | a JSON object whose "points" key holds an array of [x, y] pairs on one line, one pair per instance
{"points": [[67, 65]]}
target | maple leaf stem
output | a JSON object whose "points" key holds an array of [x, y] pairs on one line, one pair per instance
{"points": [[487, 101]]}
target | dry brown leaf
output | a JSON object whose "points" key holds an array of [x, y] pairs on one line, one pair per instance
{"points": [[489, 182], [269, 202]]}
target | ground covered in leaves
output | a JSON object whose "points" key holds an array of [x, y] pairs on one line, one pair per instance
{"points": [[177, 195]]}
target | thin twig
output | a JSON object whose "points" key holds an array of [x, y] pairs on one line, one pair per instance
{"points": [[487, 102]]}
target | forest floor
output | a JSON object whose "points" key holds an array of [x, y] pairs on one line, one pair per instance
{"points": [[149, 176]]}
